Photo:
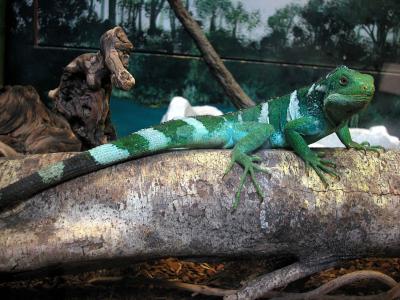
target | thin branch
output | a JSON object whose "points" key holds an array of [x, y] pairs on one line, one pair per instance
{"points": [[214, 62], [370, 32], [342, 281], [394, 293], [200, 289], [266, 283], [353, 277]]}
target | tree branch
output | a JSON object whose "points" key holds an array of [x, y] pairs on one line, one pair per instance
{"points": [[282, 277], [214, 62], [342, 281]]}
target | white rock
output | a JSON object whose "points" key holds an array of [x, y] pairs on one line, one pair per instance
{"points": [[180, 108], [376, 135]]}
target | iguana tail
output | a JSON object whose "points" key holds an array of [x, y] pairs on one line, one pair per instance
{"points": [[190, 133]]}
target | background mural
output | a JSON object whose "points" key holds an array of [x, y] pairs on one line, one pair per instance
{"points": [[271, 47]]}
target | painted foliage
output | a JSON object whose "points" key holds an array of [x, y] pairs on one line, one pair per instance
{"points": [[271, 47]]}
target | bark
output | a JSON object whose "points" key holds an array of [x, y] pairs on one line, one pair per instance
{"points": [[83, 95], [214, 62], [148, 208]]}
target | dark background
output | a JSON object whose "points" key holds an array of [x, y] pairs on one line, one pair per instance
{"points": [[271, 47]]}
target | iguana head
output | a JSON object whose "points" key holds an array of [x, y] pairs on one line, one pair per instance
{"points": [[346, 93]]}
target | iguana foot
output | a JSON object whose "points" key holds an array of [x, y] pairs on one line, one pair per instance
{"points": [[247, 162], [365, 146], [321, 166]]}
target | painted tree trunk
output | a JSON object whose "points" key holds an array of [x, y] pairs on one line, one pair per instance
{"points": [[2, 40], [179, 204], [112, 6]]}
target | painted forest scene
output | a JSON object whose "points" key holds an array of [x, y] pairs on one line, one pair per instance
{"points": [[271, 47]]}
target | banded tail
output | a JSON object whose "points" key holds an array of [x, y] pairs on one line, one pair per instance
{"points": [[200, 132]]}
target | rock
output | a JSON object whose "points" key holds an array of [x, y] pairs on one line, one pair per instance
{"points": [[180, 107], [376, 135]]}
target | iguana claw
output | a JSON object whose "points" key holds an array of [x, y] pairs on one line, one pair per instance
{"points": [[322, 165], [247, 162], [365, 146]]}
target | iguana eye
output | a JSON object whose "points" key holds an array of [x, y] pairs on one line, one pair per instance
{"points": [[343, 81]]}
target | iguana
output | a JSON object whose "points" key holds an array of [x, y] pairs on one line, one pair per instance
{"points": [[291, 121]]}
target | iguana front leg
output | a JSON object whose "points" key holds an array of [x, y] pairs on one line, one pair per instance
{"points": [[344, 135], [250, 136], [294, 132]]}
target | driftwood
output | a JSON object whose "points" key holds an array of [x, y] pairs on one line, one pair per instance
{"points": [[83, 96], [148, 208], [235, 93], [7, 151], [80, 118], [27, 126]]}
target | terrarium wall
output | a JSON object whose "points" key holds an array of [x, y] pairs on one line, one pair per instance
{"points": [[271, 47]]}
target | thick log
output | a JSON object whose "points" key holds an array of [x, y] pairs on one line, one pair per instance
{"points": [[150, 208]]}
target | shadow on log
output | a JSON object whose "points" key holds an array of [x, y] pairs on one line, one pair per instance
{"points": [[143, 210]]}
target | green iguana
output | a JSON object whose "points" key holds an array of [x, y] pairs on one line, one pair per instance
{"points": [[291, 121]]}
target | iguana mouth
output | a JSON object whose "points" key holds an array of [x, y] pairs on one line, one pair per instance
{"points": [[359, 97], [349, 98], [339, 107]]}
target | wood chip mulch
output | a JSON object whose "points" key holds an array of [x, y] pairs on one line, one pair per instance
{"points": [[148, 276]]}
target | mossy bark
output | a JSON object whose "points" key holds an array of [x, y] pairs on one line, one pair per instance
{"points": [[179, 204]]}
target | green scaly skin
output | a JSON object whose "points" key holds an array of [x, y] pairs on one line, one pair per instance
{"points": [[291, 121]]}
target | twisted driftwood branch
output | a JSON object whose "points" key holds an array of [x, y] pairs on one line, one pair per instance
{"points": [[150, 208], [83, 95]]}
